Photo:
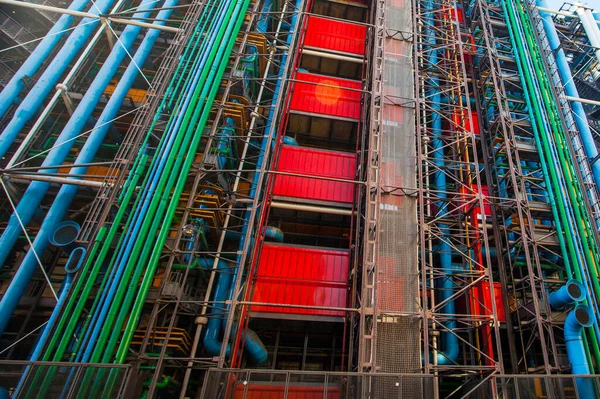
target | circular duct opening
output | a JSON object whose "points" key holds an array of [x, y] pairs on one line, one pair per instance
{"points": [[74, 262], [64, 233], [583, 315], [575, 290]]}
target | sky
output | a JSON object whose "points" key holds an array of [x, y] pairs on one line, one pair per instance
{"points": [[555, 4]]}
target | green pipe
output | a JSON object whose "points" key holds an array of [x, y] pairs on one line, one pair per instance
{"points": [[546, 145], [157, 250], [120, 306], [196, 135], [79, 300], [590, 245], [181, 68], [131, 261], [150, 225]]}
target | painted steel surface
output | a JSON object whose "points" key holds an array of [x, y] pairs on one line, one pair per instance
{"points": [[309, 161], [326, 95], [334, 35], [260, 391], [302, 276]]}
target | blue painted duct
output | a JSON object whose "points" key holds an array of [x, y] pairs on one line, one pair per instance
{"points": [[450, 347], [212, 338], [578, 318], [67, 192], [573, 291], [581, 316], [571, 90], [32, 64], [35, 98], [71, 267]]}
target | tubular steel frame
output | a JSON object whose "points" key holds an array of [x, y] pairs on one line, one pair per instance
{"points": [[468, 238], [513, 219]]}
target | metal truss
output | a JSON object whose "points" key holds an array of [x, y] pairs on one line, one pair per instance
{"points": [[522, 246], [367, 360], [220, 197], [451, 218], [105, 200]]}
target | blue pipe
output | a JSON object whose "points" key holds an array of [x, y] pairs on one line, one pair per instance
{"points": [[274, 234], [36, 96], [571, 90], [66, 194], [581, 316], [450, 344], [32, 64], [141, 208], [73, 264], [36, 190], [211, 340], [573, 291]]}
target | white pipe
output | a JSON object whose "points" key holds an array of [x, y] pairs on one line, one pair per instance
{"points": [[311, 208], [583, 100], [56, 179], [590, 29], [88, 15], [332, 56]]}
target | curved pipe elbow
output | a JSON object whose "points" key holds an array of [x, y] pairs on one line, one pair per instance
{"points": [[581, 316], [212, 339], [274, 234], [573, 291], [287, 140], [254, 347]]}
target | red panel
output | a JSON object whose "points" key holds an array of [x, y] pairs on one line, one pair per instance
{"points": [[464, 121], [475, 119], [325, 95], [482, 290], [277, 392], [308, 161], [334, 35], [304, 276], [458, 15]]}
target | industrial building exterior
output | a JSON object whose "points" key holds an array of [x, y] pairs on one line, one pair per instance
{"points": [[301, 199]]}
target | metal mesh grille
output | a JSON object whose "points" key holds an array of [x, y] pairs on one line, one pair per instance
{"points": [[398, 334]]}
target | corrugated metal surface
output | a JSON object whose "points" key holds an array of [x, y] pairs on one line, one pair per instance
{"points": [[458, 15], [325, 95], [255, 391], [334, 35], [482, 291], [309, 161], [305, 276], [464, 121]]}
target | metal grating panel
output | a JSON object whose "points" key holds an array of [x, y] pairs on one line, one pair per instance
{"points": [[398, 326]]}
